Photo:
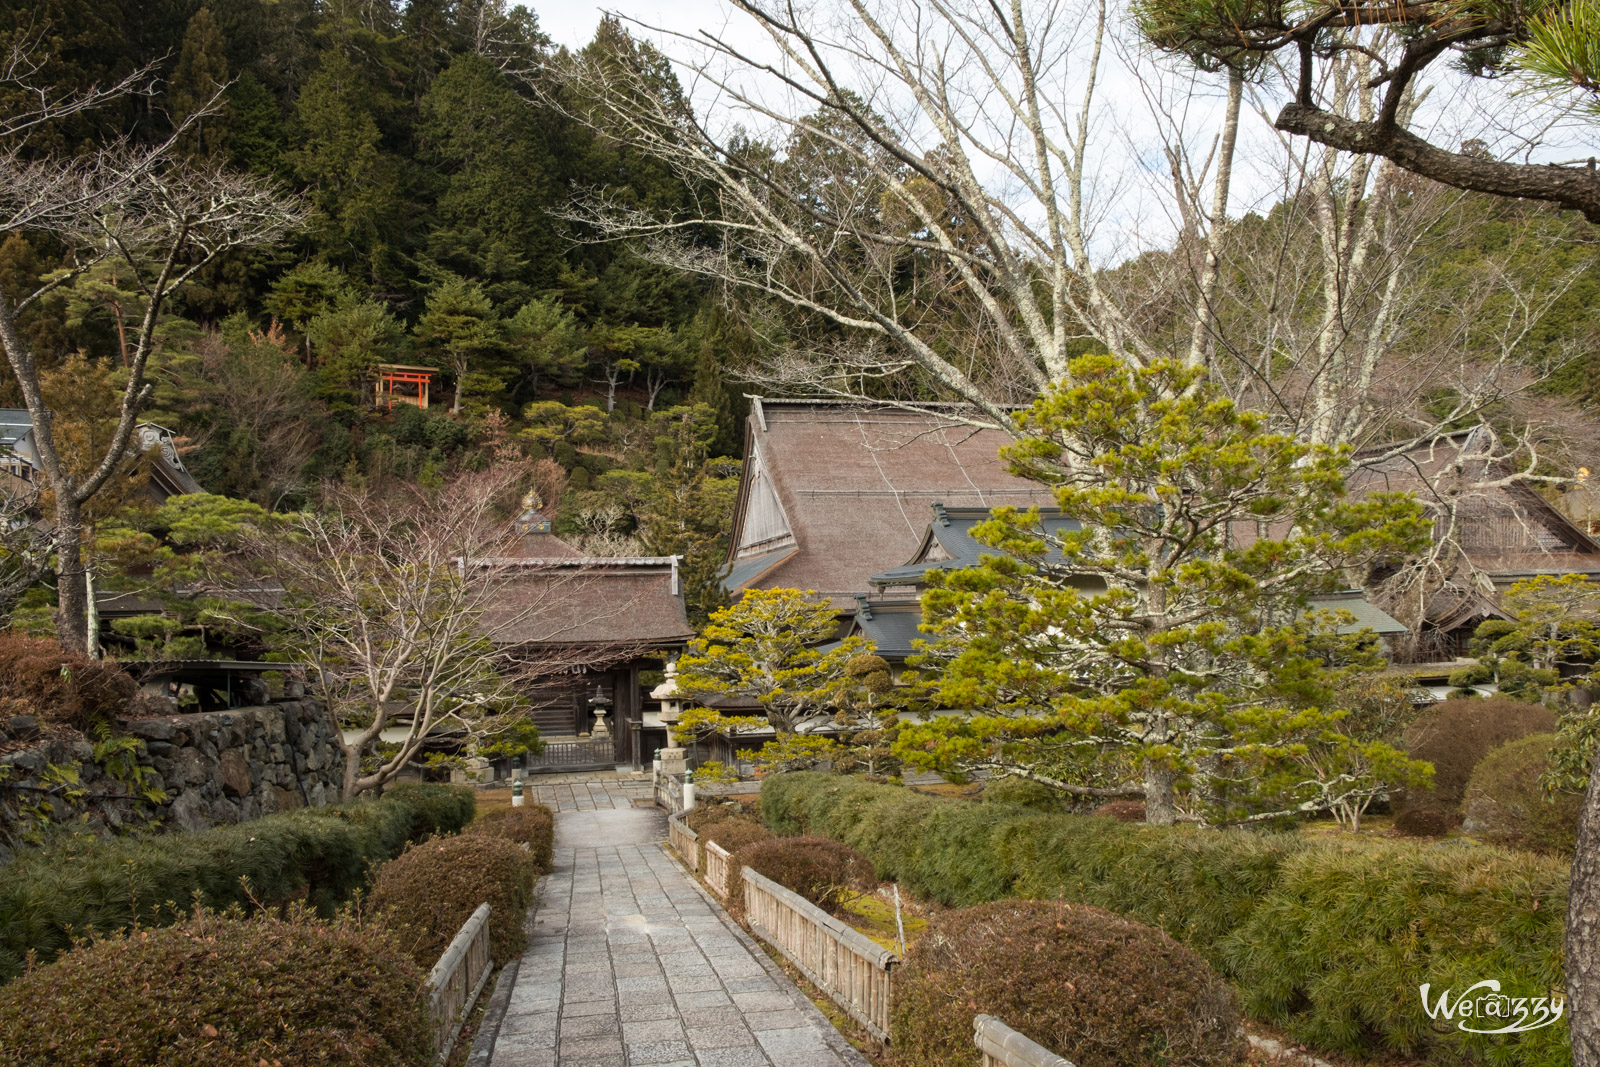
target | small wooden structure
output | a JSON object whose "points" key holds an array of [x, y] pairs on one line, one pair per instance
{"points": [[401, 384], [838, 959], [457, 979]]}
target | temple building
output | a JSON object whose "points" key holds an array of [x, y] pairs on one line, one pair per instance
{"points": [[587, 627], [834, 493]]}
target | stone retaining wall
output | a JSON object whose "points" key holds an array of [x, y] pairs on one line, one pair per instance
{"points": [[215, 767]]}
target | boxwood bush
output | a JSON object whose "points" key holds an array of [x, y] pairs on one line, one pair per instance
{"points": [[430, 890], [533, 825], [1099, 990], [321, 856], [224, 991], [1328, 937]]}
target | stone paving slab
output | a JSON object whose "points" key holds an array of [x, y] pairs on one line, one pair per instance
{"points": [[631, 964]]}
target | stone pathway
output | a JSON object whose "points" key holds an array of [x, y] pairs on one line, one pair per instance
{"points": [[631, 964]]}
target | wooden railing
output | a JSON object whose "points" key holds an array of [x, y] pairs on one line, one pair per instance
{"points": [[685, 842], [718, 865], [842, 962], [669, 793], [457, 979], [574, 755], [1004, 1047]]}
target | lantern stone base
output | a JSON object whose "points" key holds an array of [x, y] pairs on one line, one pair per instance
{"points": [[674, 761]]}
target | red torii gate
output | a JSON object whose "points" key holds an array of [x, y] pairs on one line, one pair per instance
{"points": [[413, 383]]}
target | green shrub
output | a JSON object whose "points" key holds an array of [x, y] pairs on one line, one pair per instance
{"points": [[1336, 951], [1023, 793], [436, 809], [1506, 804], [94, 885], [1100, 990], [822, 871], [1455, 734], [1249, 903], [60, 688], [430, 890], [225, 992], [533, 825]]}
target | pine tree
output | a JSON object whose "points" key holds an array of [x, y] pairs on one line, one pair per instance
{"points": [[201, 74]]}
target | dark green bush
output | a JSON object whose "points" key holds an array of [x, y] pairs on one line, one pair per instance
{"points": [[88, 885], [533, 825], [225, 992], [1099, 990], [429, 891], [1455, 734], [1506, 804], [436, 809], [824, 872], [1249, 903]]}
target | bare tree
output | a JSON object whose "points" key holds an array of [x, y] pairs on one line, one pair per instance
{"points": [[138, 204], [921, 189], [398, 604]]}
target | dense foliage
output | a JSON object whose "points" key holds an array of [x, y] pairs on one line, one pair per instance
{"points": [[59, 688], [1507, 804], [430, 890], [224, 990], [1456, 734], [321, 856], [1152, 644], [1328, 939], [533, 825], [1096, 989]]}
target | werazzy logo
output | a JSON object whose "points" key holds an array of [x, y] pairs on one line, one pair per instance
{"points": [[1483, 1005]]}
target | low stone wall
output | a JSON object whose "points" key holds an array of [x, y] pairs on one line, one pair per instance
{"points": [[215, 767]]}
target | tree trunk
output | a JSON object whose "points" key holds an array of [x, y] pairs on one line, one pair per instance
{"points": [[72, 579], [1583, 935], [1160, 802]]}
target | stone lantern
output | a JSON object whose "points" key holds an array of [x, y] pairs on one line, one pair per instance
{"points": [[600, 702], [673, 758]]}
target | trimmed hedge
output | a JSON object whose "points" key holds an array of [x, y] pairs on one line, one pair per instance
{"points": [[1328, 938], [1097, 989], [224, 991], [431, 889], [533, 825], [318, 855]]}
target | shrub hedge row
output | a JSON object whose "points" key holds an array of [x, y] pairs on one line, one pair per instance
{"points": [[1327, 938], [427, 892], [224, 991], [321, 856]]}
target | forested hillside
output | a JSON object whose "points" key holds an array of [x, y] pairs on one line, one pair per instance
{"points": [[441, 182], [438, 185]]}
